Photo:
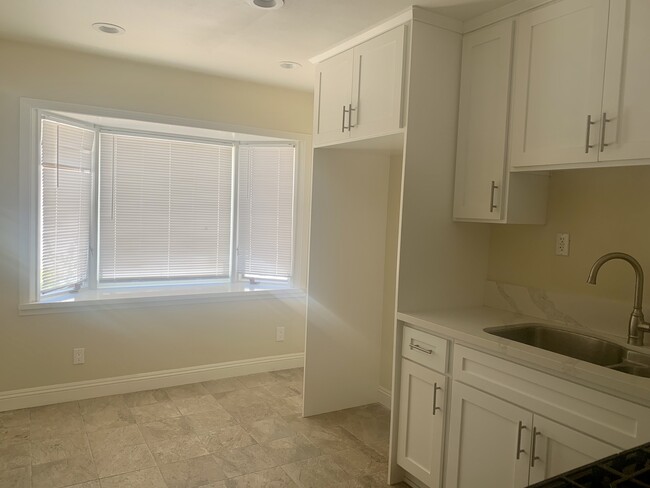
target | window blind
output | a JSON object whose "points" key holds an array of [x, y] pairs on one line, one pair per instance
{"points": [[164, 210], [265, 211], [66, 186]]}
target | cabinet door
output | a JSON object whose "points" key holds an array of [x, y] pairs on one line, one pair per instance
{"points": [[421, 422], [489, 441], [378, 82], [482, 124], [332, 98], [558, 83], [558, 449], [626, 100]]}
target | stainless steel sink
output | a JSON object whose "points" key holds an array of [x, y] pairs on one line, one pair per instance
{"points": [[578, 346]]}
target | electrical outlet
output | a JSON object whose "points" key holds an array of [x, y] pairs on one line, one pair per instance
{"points": [[279, 334], [562, 244], [78, 355]]}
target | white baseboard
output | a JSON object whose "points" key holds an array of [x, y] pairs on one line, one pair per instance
{"points": [[384, 396], [80, 390]]}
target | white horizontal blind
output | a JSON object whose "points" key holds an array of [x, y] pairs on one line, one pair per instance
{"points": [[265, 232], [66, 184], [165, 209]]}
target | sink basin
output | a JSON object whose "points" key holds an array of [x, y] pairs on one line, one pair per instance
{"points": [[578, 346]]}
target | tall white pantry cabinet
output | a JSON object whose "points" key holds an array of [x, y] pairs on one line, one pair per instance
{"points": [[382, 237]]}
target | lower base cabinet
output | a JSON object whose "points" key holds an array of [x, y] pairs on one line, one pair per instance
{"points": [[422, 423], [495, 444]]}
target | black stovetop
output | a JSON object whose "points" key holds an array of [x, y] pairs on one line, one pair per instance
{"points": [[628, 469]]}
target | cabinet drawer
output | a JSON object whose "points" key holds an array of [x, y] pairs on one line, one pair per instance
{"points": [[425, 349], [618, 422]]}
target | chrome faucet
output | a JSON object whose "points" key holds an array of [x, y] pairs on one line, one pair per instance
{"points": [[638, 325]]}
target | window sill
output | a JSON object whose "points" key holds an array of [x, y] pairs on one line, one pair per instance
{"points": [[158, 296]]}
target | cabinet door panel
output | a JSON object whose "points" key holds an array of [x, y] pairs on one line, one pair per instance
{"points": [[483, 121], [561, 449], [626, 100], [378, 84], [558, 83], [333, 92], [421, 428], [484, 438]]}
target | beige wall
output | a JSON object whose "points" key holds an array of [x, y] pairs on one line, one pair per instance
{"points": [[37, 350], [606, 209]]}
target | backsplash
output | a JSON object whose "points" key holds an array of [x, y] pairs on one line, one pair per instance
{"points": [[591, 313]]}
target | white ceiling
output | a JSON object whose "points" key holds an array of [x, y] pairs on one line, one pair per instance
{"points": [[224, 37]]}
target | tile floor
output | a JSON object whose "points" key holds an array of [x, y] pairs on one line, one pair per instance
{"points": [[230, 433]]}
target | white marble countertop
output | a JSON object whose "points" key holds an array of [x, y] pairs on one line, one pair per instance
{"points": [[465, 326]]}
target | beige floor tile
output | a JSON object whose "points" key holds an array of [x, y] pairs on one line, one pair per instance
{"points": [[332, 439], [228, 437], [251, 412], [122, 459], [16, 478], [242, 397], [148, 397], [87, 484], [92, 405], [177, 449], [14, 454], [270, 478], [196, 404], [55, 420], [57, 448], [319, 472], [108, 417], [294, 374], [291, 405], [14, 418], [186, 391], [64, 472], [361, 461], [144, 478], [269, 429], [192, 473], [291, 449], [164, 429], [14, 434], [111, 438], [258, 379], [281, 390], [238, 462], [223, 385], [212, 421], [155, 411]]}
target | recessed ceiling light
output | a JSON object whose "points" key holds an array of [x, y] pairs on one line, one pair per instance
{"points": [[108, 28], [290, 65], [266, 4]]}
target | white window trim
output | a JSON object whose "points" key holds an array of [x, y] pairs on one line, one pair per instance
{"points": [[30, 110]]}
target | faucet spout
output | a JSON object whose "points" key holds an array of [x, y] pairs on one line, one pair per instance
{"points": [[637, 326]]}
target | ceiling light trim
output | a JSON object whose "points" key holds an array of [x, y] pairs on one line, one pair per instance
{"points": [[107, 28], [266, 4]]}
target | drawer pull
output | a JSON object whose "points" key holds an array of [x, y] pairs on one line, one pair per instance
{"points": [[418, 347], [435, 397], [533, 456], [520, 451], [588, 138]]}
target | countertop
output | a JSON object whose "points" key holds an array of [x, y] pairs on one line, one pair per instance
{"points": [[465, 326]]}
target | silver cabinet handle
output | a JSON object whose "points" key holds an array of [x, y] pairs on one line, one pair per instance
{"points": [[602, 132], [435, 397], [520, 451], [533, 456], [350, 110], [588, 138], [418, 347], [343, 123], [492, 204]]}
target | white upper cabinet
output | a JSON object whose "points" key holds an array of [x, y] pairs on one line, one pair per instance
{"points": [[333, 97], [558, 83], [483, 123], [359, 93], [626, 99], [484, 189]]}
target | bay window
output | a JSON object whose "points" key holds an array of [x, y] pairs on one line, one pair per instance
{"points": [[131, 209]]}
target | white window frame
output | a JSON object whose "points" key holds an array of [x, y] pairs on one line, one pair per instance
{"points": [[29, 295]]}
